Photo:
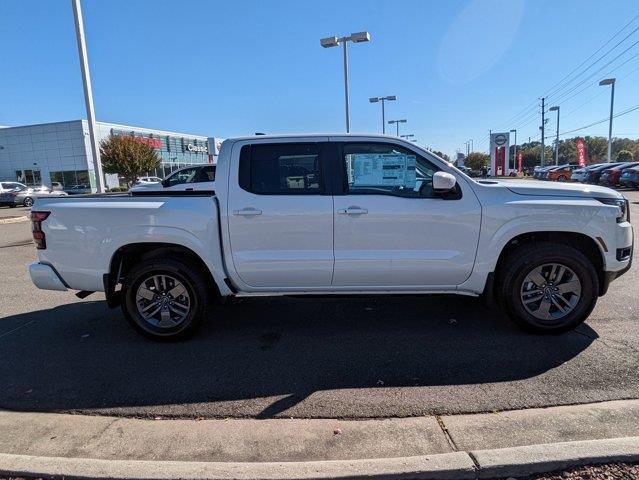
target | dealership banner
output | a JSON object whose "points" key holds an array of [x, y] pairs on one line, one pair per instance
{"points": [[499, 146], [581, 152], [520, 161]]}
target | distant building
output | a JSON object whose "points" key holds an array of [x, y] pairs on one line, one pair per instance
{"points": [[61, 151]]}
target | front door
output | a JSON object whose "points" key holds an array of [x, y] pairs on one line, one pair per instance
{"points": [[281, 217], [392, 230]]}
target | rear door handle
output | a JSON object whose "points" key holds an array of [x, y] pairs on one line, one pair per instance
{"points": [[248, 211], [353, 211]]}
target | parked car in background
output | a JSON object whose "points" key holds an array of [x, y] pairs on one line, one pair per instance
{"points": [[8, 191], [561, 173], [28, 197], [143, 180], [579, 173], [56, 186], [78, 189], [630, 178], [592, 176], [195, 177], [539, 173], [612, 176]]}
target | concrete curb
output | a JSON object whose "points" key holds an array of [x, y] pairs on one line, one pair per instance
{"points": [[4, 221], [458, 465]]}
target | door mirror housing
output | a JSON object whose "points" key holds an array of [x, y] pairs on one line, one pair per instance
{"points": [[443, 182]]}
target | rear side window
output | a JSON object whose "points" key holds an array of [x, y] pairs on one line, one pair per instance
{"points": [[281, 169], [207, 174]]}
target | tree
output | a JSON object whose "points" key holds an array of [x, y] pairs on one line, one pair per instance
{"points": [[128, 157], [441, 155], [625, 156], [476, 160], [596, 149]]}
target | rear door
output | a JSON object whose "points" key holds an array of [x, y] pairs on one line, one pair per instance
{"points": [[392, 231], [280, 215]]}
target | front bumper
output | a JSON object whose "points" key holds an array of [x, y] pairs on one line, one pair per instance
{"points": [[45, 277]]}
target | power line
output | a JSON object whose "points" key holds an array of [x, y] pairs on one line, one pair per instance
{"points": [[631, 109]]}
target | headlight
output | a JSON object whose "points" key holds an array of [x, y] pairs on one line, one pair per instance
{"points": [[624, 207]]}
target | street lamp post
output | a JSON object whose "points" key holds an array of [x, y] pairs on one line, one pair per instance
{"points": [[397, 122], [382, 100], [515, 150], [611, 82], [553, 109], [328, 42], [88, 94]]}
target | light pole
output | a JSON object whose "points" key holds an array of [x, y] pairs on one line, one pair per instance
{"points": [[382, 100], [611, 82], [515, 151], [553, 109], [88, 94], [397, 122], [328, 42]]}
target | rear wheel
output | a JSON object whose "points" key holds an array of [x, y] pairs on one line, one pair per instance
{"points": [[562, 178], [548, 287], [165, 299]]}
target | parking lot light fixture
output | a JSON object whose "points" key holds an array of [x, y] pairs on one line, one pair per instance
{"points": [[515, 150], [382, 100], [397, 122], [556, 109], [329, 42], [611, 82]]}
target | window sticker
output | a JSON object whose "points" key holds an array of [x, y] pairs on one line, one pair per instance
{"points": [[381, 169]]}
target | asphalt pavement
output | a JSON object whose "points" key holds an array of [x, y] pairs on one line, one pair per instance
{"points": [[305, 357]]}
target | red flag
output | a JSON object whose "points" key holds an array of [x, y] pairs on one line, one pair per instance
{"points": [[581, 152], [520, 160]]}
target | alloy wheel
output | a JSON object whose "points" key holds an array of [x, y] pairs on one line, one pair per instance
{"points": [[163, 301], [550, 291]]}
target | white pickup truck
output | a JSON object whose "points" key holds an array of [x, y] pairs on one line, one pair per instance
{"points": [[336, 214]]}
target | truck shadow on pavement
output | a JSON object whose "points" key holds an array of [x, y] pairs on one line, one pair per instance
{"points": [[270, 357]]}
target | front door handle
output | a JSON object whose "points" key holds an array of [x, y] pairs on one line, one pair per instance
{"points": [[353, 211], [248, 211]]}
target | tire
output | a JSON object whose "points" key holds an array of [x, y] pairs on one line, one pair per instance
{"points": [[28, 202], [562, 178], [177, 325], [515, 286]]}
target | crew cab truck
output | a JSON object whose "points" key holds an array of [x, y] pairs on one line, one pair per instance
{"points": [[336, 214]]}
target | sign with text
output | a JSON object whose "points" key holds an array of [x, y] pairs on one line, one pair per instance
{"points": [[520, 161], [381, 169], [581, 152]]}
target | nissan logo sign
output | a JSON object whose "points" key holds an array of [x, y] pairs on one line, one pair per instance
{"points": [[197, 148], [500, 139]]}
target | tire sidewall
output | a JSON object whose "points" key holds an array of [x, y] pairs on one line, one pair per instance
{"points": [[569, 257], [181, 273]]}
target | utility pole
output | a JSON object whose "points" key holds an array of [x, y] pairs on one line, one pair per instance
{"points": [[543, 128], [88, 94]]}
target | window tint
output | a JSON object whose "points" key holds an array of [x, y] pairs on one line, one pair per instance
{"points": [[207, 174], [386, 169], [289, 169], [188, 175]]}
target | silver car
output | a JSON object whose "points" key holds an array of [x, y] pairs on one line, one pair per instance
{"points": [[28, 197]]}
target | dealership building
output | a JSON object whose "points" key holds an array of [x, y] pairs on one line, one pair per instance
{"points": [[61, 152]]}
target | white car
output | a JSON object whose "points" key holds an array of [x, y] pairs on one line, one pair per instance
{"points": [[195, 177], [143, 180], [336, 214], [28, 196]]}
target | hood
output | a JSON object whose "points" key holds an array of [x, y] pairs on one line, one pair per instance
{"points": [[531, 187]]}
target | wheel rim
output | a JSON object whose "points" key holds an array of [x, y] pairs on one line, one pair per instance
{"points": [[163, 301], [550, 291], [28, 202]]}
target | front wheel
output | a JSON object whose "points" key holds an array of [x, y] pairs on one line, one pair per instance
{"points": [[28, 202], [548, 288], [165, 299]]}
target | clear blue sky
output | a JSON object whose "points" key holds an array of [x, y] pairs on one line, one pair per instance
{"points": [[225, 68]]}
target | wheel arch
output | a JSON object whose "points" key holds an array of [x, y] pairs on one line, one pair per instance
{"points": [[580, 241], [126, 256]]}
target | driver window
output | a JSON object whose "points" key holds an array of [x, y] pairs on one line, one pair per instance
{"points": [[387, 169]]}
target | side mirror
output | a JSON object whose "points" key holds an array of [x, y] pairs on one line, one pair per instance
{"points": [[443, 182]]}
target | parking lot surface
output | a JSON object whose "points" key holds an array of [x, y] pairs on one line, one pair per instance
{"points": [[306, 357]]}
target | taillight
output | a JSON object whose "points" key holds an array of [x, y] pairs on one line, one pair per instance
{"points": [[36, 229]]}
